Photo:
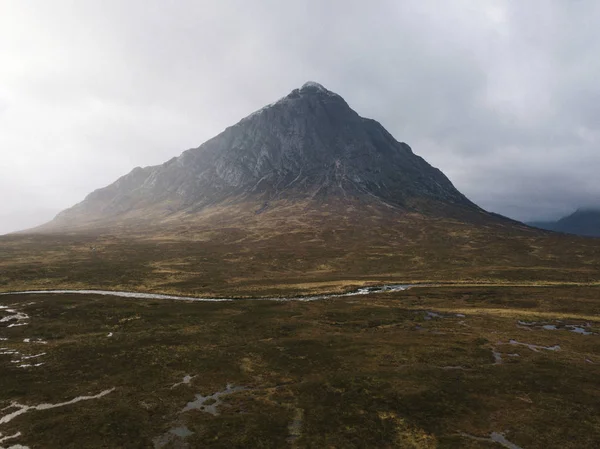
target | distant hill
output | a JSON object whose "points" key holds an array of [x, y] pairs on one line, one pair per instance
{"points": [[581, 222]]}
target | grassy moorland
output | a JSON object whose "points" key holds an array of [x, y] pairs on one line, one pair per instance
{"points": [[507, 353], [424, 368], [295, 248]]}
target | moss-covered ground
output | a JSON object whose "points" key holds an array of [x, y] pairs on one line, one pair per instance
{"points": [[424, 368]]}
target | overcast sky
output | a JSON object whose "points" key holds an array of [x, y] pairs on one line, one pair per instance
{"points": [[502, 96]]}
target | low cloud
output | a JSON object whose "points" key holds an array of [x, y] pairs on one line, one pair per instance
{"points": [[501, 96]]}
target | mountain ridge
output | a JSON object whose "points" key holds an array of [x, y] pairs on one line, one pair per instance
{"points": [[584, 221]]}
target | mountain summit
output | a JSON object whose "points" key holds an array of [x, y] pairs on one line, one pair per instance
{"points": [[308, 145]]}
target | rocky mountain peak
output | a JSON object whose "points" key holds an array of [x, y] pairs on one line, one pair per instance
{"points": [[309, 145], [312, 85]]}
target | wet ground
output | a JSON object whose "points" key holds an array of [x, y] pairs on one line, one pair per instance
{"points": [[420, 368]]}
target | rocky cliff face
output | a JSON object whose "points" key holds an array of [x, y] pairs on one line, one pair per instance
{"points": [[309, 144]]}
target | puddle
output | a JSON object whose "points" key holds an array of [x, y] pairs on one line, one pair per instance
{"points": [[578, 329], [19, 358], [18, 316], [495, 437], [206, 404], [535, 348], [27, 357], [501, 439], [497, 357], [210, 403], [11, 437], [21, 409], [181, 432], [26, 365]]}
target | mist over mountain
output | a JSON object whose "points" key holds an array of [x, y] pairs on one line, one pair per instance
{"points": [[584, 221], [309, 145]]}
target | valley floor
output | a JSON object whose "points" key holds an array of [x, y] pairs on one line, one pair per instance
{"points": [[460, 367]]}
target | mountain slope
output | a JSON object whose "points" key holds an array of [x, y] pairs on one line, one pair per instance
{"points": [[303, 196], [308, 145], [584, 222]]}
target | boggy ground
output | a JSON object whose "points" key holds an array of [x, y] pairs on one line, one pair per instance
{"points": [[424, 368], [295, 248]]}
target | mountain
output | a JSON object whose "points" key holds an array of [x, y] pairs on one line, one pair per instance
{"points": [[309, 145], [584, 222], [300, 197]]}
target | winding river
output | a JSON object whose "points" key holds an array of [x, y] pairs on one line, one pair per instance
{"points": [[138, 295]]}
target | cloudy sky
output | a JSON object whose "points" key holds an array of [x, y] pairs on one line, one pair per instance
{"points": [[503, 96]]}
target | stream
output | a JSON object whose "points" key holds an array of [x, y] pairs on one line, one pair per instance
{"points": [[138, 295]]}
